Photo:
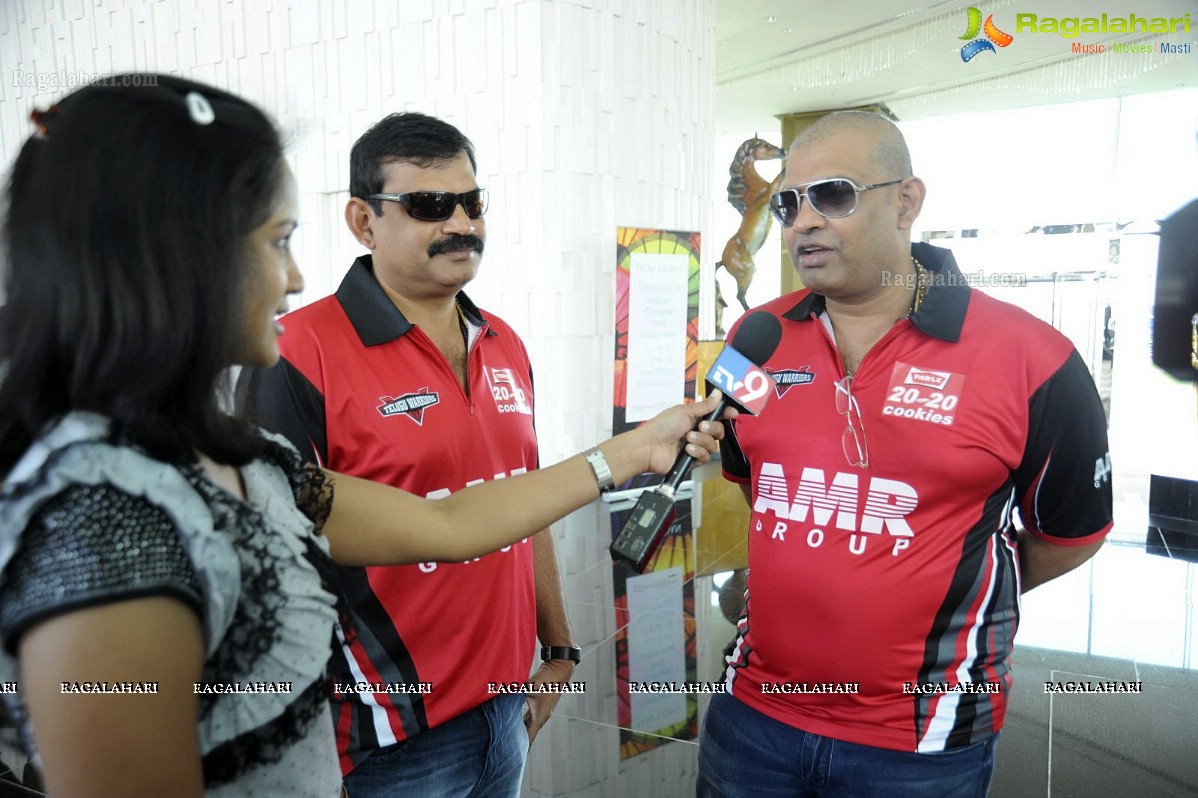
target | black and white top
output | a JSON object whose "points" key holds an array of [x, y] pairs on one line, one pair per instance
{"points": [[89, 518]]}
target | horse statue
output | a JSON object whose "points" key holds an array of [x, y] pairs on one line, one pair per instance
{"points": [[749, 193]]}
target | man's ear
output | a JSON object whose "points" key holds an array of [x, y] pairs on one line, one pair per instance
{"points": [[359, 217], [911, 194]]}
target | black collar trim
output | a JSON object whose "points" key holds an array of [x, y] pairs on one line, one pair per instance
{"points": [[942, 313], [372, 313]]}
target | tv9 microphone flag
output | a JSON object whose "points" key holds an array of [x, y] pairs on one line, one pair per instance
{"points": [[738, 373]]}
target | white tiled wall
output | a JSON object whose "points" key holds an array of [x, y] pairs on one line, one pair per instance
{"points": [[586, 115]]}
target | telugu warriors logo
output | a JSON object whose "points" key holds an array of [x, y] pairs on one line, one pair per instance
{"points": [[993, 36]]}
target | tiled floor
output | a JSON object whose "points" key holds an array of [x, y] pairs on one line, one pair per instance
{"points": [[1141, 628]]}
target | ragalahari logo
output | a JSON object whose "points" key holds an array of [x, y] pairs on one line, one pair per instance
{"points": [[993, 35]]}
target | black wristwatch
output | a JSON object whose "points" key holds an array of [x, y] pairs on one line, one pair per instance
{"points": [[572, 653]]}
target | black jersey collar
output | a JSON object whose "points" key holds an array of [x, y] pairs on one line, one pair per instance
{"points": [[372, 313], [942, 313]]}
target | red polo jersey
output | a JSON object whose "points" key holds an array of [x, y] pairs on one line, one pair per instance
{"points": [[369, 394], [882, 601]]}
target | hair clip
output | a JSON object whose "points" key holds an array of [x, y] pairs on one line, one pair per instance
{"points": [[200, 109], [40, 118]]}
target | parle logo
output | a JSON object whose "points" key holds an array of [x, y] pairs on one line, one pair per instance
{"points": [[993, 36], [927, 378]]}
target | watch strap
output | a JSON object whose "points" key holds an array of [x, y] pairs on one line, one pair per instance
{"points": [[602, 471], [572, 653]]}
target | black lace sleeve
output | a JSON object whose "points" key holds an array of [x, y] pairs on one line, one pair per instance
{"points": [[92, 545], [311, 484], [314, 495]]}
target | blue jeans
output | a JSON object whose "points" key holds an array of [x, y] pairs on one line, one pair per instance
{"points": [[745, 754], [479, 754]]}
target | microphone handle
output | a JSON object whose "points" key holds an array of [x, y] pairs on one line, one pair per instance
{"points": [[682, 465]]}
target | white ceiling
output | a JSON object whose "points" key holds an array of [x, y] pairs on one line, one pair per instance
{"points": [[775, 57]]}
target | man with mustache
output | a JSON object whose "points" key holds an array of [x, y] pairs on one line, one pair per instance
{"points": [[399, 377]]}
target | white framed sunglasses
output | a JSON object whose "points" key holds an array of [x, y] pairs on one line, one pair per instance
{"points": [[833, 198]]}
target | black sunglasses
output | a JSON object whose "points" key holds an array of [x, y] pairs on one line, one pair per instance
{"points": [[437, 206], [833, 198]]}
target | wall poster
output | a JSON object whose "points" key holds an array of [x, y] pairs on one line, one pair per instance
{"points": [[656, 362]]}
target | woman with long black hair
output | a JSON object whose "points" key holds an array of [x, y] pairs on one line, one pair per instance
{"points": [[164, 600]]}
